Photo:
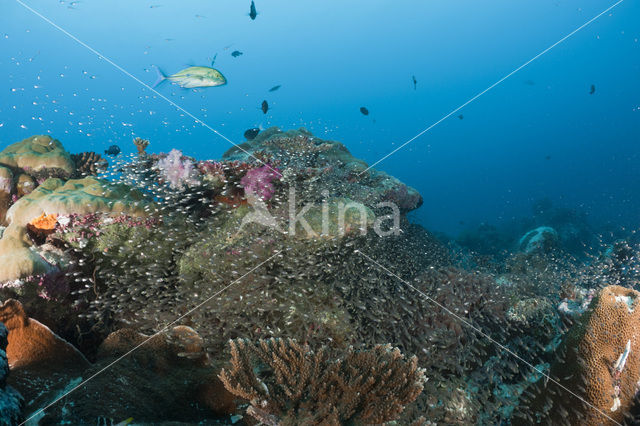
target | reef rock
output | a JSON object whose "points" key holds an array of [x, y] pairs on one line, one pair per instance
{"points": [[599, 360], [10, 400], [539, 240], [39, 156], [325, 166], [157, 378]]}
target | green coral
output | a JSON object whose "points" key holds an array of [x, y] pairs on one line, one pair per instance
{"points": [[77, 196], [39, 156]]}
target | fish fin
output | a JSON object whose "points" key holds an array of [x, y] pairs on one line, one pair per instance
{"points": [[161, 76]]}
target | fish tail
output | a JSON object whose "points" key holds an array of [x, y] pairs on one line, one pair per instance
{"points": [[161, 76]]}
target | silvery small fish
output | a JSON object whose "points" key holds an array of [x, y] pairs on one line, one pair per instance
{"points": [[193, 77]]}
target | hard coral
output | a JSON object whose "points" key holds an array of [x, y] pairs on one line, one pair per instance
{"points": [[601, 363], [288, 384], [88, 164], [141, 145], [40, 156]]}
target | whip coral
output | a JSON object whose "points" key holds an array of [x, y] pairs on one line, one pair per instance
{"points": [[176, 170], [259, 182]]}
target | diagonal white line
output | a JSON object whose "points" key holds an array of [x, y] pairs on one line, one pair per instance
{"points": [[493, 85], [165, 328], [486, 336], [128, 74]]}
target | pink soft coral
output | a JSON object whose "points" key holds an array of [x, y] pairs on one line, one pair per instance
{"points": [[177, 171], [258, 182]]}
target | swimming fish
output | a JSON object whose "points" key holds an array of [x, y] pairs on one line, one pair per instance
{"points": [[236, 53], [364, 111], [264, 107], [593, 89], [250, 134], [192, 77], [274, 88], [125, 422], [112, 150], [213, 61], [461, 117], [415, 82], [253, 13]]}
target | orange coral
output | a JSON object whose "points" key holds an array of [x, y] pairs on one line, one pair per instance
{"points": [[45, 222], [594, 366]]}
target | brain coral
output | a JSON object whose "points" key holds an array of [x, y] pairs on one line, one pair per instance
{"points": [[592, 349], [76, 196], [39, 156]]}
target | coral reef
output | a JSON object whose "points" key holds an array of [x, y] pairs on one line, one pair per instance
{"points": [[269, 246], [287, 383]]}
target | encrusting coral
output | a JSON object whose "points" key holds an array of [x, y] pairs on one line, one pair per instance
{"points": [[288, 384]]}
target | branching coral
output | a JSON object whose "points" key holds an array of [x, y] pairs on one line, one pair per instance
{"points": [[141, 145], [287, 383], [88, 164]]}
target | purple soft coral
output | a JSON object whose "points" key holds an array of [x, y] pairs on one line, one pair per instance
{"points": [[259, 182], [176, 170]]}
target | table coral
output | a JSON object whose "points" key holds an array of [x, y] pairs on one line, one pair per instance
{"points": [[287, 383]]}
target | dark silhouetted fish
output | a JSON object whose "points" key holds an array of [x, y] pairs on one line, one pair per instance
{"points": [[251, 134], [274, 88], [461, 117], [364, 110], [264, 107], [530, 82], [252, 12], [236, 53], [415, 82], [213, 61], [593, 89], [113, 150], [548, 157]]}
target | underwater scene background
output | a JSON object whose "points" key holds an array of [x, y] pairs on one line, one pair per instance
{"points": [[349, 213]]}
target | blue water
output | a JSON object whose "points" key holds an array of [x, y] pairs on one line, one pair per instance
{"points": [[538, 134]]}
